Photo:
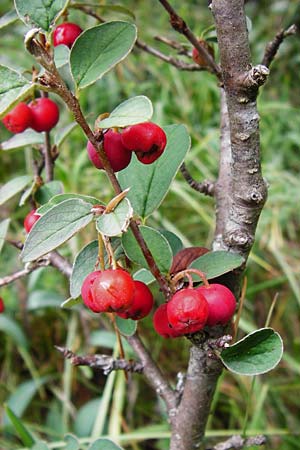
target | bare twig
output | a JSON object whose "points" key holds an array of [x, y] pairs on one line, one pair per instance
{"points": [[22, 273], [273, 46], [105, 363], [180, 25], [181, 49], [237, 443], [47, 152], [205, 187]]}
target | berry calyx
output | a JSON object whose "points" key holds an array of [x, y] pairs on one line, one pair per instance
{"points": [[45, 114], [199, 58], [30, 220], [161, 324], [2, 307], [112, 291], [187, 311], [221, 303], [86, 290], [146, 139], [66, 34], [18, 119], [118, 156], [142, 302]]}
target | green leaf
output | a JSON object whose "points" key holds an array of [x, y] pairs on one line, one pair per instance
{"points": [[70, 302], [157, 244], [127, 327], [40, 445], [4, 224], [108, 339], [24, 434], [12, 187], [117, 221], [62, 197], [144, 275], [63, 133], [149, 184], [27, 193], [20, 140], [61, 55], [104, 444], [257, 353], [134, 110], [72, 442], [13, 88], [47, 191], [13, 330], [84, 264], [107, 45], [40, 13], [43, 299], [55, 227], [85, 418], [8, 18], [215, 264], [174, 241]]}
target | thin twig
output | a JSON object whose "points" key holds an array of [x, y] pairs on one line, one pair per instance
{"points": [[205, 187], [181, 49], [47, 151], [273, 46], [237, 443], [21, 273]]}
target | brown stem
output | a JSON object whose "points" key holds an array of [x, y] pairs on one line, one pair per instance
{"points": [[273, 46], [49, 162], [205, 187]]}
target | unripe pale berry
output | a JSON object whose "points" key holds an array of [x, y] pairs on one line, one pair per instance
{"points": [[112, 291], [18, 119], [86, 290], [142, 302], [146, 139], [66, 34], [187, 311], [30, 220], [45, 114], [221, 303], [161, 324], [118, 156]]}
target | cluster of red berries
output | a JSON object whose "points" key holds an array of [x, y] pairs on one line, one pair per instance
{"points": [[147, 140], [113, 290], [189, 310], [41, 114]]}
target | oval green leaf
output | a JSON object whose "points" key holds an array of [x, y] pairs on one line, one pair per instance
{"points": [[134, 110], [8, 18], [174, 241], [43, 299], [28, 137], [13, 330], [62, 197], [84, 264], [257, 353], [104, 444], [40, 13], [4, 224], [215, 264], [47, 191], [55, 227], [107, 45], [13, 88], [157, 243], [149, 184], [117, 221], [144, 275], [127, 327], [12, 187]]}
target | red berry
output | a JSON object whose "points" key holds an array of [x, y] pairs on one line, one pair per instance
{"points": [[187, 311], [2, 307], [30, 220], [146, 139], [66, 34], [86, 290], [45, 114], [112, 291], [18, 119], [161, 324], [221, 303], [118, 156], [142, 302]]}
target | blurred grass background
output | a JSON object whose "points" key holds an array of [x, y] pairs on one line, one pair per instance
{"points": [[54, 398]]}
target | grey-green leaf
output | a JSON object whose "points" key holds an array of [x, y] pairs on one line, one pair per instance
{"points": [[99, 49], [127, 327], [28, 137], [71, 302], [13, 88], [4, 224], [40, 445], [257, 353], [13, 330], [63, 197], [215, 264], [63, 133], [48, 191], [84, 264], [144, 275], [104, 444], [150, 183], [44, 299], [12, 187], [40, 13], [72, 442], [157, 243], [174, 241], [134, 110], [55, 227], [117, 221], [8, 18]]}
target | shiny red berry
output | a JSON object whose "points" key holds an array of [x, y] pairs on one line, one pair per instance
{"points": [[118, 156], [30, 220], [142, 302], [146, 139], [66, 34], [187, 311], [18, 119], [2, 307], [221, 303], [161, 324], [45, 114], [86, 290], [112, 291]]}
